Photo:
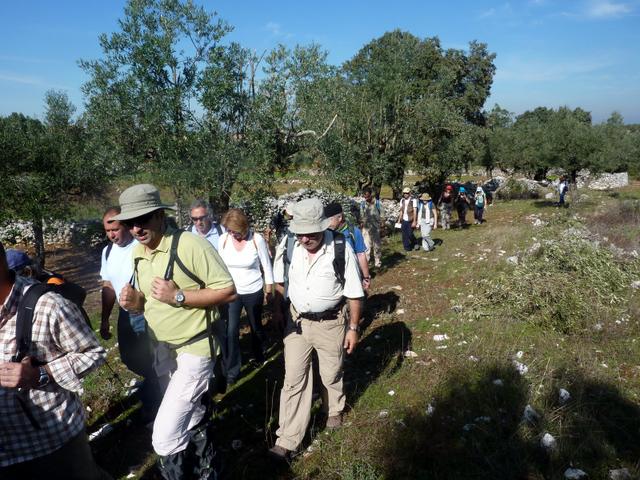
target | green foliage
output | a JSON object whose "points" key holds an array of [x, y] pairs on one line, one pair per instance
{"points": [[548, 286]]}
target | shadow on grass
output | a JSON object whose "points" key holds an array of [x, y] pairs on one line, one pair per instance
{"points": [[476, 431], [377, 304], [546, 203]]}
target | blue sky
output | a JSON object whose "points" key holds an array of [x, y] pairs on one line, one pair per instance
{"points": [[579, 53]]}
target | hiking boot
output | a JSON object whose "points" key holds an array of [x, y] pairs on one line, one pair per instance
{"points": [[280, 454], [335, 421]]}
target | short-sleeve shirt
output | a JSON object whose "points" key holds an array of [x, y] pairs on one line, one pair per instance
{"points": [[371, 214], [313, 287], [212, 235], [353, 235], [118, 268], [173, 324]]}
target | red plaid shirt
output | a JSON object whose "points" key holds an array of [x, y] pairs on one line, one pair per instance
{"points": [[61, 339]]}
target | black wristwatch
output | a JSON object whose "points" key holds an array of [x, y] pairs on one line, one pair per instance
{"points": [[179, 298], [44, 378]]}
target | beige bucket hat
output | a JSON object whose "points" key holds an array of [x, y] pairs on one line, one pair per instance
{"points": [[139, 200], [308, 217]]}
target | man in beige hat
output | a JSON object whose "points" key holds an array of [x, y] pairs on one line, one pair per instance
{"points": [[427, 221], [316, 319], [178, 284], [408, 218]]}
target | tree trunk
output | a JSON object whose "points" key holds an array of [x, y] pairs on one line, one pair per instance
{"points": [[38, 237], [180, 208]]}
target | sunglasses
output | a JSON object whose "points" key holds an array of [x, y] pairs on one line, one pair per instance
{"points": [[139, 221], [199, 219]]}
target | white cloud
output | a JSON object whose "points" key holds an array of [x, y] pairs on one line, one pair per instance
{"points": [[538, 71], [606, 9], [22, 79], [274, 28], [487, 13]]}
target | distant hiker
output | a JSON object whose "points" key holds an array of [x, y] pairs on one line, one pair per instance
{"points": [[563, 188], [462, 206], [204, 224], [353, 235], [247, 257], [371, 220], [316, 319], [408, 218], [179, 280], [427, 221], [479, 202], [134, 343], [42, 420], [445, 204]]}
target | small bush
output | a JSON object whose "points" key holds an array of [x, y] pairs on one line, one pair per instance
{"points": [[567, 285], [517, 190]]}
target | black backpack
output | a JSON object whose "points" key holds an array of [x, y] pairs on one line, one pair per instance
{"points": [[338, 260], [26, 309]]}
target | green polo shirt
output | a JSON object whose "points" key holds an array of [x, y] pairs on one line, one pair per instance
{"points": [[178, 324]]}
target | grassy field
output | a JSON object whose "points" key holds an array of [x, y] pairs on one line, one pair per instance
{"points": [[535, 302]]}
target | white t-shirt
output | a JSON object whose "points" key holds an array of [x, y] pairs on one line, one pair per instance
{"points": [[244, 265], [118, 268], [405, 207]]}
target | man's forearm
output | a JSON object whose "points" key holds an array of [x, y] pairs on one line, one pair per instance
{"points": [[108, 300], [355, 310], [208, 297]]}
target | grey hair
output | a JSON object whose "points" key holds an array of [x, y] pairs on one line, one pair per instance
{"points": [[200, 203]]}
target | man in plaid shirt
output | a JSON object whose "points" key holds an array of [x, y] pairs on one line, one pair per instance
{"points": [[52, 443]]}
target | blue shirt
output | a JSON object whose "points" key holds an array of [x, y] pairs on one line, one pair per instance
{"points": [[353, 235], [212, 235]]}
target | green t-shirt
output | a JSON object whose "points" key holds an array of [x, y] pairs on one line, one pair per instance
{"points": [[178, 324]]}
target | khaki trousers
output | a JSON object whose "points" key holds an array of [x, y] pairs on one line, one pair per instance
{"points": [[374, 245], [326, 337]]}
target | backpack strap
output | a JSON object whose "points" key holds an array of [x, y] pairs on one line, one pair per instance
{"points": [[24, 319], [378, 206], [339, 248], [175, 259], [108, 251], [218, 228], [288, 255]]}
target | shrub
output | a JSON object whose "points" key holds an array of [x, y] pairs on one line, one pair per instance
{"points": [[517, 190]]}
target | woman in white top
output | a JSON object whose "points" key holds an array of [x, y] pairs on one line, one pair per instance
{"points": [[246, 255]]}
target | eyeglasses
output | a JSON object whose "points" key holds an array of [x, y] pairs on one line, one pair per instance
{"points": [[235, 234], [199, 219], [139, 221], [314, 235]]}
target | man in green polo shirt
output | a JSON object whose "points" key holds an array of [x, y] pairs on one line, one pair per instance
{"points": [[176, 308]]}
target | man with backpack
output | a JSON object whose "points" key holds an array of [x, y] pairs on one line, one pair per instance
{"points": [[44, 353], [427, 221], [204, 224], [371, 221], [408, 219], [134, 343], [179, 280], [321, 277], [353, 235]]}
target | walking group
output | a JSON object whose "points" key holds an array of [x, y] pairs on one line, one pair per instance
{"points": [[179, 296], [421, 213]]}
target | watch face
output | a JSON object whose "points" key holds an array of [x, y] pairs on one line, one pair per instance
{"points": [[179, 297]]}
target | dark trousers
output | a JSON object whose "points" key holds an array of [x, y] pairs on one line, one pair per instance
{"points": [[73, 461], [137, 353], [252, 303], [477, 213], [408, 240]]}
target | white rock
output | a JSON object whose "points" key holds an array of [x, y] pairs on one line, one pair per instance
{"points": [[383, 414], [131, 475], [397, 287], [574, 474], [410, 354], [530, 414], [519, 354], [473, 358], [620, 474], [549, 196], [430, 410], [400, 311], [441, 347], [498, 382], [520, 367], [513, 260], [440, 337], [132, 382], [391, 393], [88, 408], [635, 284], [563, 396], [457, 308], [598, 327], [548, 441]]}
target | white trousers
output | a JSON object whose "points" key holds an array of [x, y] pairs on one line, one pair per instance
{"points": [[181, 408]]}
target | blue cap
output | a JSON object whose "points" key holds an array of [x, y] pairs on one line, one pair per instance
{"points": [[462, 189], [17, 259]]}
